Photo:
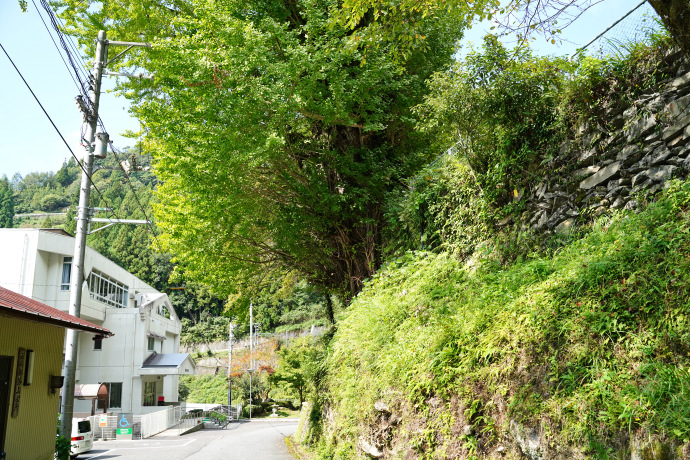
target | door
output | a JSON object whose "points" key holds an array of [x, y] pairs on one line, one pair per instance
{"points": [[5, 378]]}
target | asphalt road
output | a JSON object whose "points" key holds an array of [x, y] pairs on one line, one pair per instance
{"points": [[255, 440]]}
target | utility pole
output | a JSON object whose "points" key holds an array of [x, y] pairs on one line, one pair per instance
{"points": [[230, 339], [251, 337], [251, 354], [97, 145], [77, 276]]}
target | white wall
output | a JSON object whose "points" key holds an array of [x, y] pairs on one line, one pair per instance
{"points": [[18, 249], [32, 266]]}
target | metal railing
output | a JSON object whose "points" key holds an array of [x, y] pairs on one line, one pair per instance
{"points": [[144, 426], [184, 426]]}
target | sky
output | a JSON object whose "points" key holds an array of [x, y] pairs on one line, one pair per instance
{"points": [[29, 143]]}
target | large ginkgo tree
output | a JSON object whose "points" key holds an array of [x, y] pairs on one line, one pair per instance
{"points": [[276, 127]]}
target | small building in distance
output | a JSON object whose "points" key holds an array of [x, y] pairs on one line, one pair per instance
{"points": [[38, 264], [31, 341]]}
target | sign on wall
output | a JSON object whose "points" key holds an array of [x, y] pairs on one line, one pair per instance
{"points": [[18, 380]]}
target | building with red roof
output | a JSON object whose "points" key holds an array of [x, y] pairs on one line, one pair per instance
{"points": [[32, 336]]}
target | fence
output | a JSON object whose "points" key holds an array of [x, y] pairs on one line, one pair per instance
{"points": [[635, 26], [160, 421], [144, 426]]}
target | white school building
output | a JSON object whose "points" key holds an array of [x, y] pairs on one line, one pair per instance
{"points": [[140, 364]]}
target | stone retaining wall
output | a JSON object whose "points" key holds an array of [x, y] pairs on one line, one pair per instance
{"points": [[600, 170]]}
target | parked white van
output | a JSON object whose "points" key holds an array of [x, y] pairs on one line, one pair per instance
{"points": [[82, 436]]}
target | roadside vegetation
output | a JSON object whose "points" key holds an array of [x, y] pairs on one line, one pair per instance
{"points": [[473, 334], [589, 343]]}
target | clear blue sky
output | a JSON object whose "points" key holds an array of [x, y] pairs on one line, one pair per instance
{"points": [[29, 143]]}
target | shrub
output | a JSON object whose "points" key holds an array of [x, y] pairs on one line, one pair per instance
{"points": [[256, 410]]}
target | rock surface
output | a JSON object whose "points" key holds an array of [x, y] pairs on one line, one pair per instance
{"points": [[598, 171]]}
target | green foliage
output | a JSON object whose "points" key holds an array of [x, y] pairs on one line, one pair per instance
{"points": [[6, 204], [403, 22], [63, 445], [510, 112], [68, 174], [210, 329], [587, 344], [277, 133], [599, 84], [298, 366], [253, 409], [52, 202], [440, 208], [501, 105], [204, 389], [285, 303]]}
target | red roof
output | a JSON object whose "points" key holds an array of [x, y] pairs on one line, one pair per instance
{"points": [[21, 306]]}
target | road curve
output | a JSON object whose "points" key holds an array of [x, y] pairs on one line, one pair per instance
{"points": [[245, 440]]}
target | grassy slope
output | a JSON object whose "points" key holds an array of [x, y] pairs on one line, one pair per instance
{"points": [[590, 347]]}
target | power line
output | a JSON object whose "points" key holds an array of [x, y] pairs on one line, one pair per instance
{"points": [[78, 85], [83, 86], [136, 197], [66, 43], [55, 127], [56, 25]]}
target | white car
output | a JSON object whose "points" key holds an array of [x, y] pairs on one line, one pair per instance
{"points": [[82, 436]]}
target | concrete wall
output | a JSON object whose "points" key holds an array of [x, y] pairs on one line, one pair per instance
{"points": [[19, 258], [31, 435]]}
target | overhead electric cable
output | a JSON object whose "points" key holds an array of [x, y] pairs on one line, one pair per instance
{"points": [[61, 37], [136, 197], [79, 87], [67, 43], [56, 129]]}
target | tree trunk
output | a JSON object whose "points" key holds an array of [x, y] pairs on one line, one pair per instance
{"points": [[675, 14], [329, 308]]}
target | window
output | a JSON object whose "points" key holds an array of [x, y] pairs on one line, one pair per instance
{"points": [[149, 393], [84, 426], [114, 395], [151, 343], [107, 290], [98, 344], [66, 273]]}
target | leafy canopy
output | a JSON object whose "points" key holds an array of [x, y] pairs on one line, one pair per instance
{"points": [[276, 130]]}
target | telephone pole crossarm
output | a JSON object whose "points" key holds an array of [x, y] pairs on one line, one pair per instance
{"points": [[130, 44], [128, 75], [120, 221]]}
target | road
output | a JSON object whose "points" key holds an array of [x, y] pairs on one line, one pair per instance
{"points": [[244, 440]]}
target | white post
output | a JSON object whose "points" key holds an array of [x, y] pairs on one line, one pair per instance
{"points": [[230, 338]]}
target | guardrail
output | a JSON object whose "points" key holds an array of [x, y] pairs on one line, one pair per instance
{"points": [[185, 425]]}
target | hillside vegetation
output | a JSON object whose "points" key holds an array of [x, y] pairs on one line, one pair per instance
{"points": [[481, 340], [588, 347], [281, 302]]}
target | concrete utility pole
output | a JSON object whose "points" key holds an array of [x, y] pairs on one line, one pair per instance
{"points": [[251, 354], [77, 276], [230, 339], [251, 336], [97, 145]]}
